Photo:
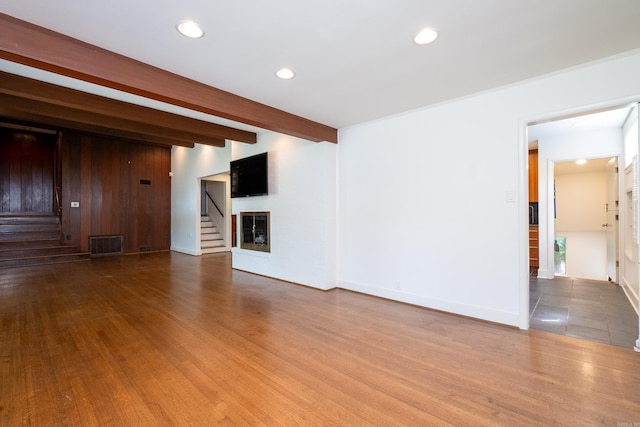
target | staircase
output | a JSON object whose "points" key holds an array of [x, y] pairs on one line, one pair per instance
{"points": [[34, 240], [211, 240]]}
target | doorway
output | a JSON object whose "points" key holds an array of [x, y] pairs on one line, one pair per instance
{"points": [[215, 211], [29, 167], [584, 219], [551, 294]]}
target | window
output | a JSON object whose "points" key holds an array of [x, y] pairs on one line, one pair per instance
{"points": [[560, 255]]}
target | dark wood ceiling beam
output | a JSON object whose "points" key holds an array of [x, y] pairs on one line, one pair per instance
{"points": [[28, 119], [41, 48], [28, 109], [27, 88]]}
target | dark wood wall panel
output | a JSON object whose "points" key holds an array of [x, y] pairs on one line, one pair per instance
{"points": [[26, 172], [104, 175]]}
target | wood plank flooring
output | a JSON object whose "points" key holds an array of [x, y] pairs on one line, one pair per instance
{"points": [[170, 339]]}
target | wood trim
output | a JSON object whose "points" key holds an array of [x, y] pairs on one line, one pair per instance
{"points": [[28, 119], [38, 97], [26, 109], [41, 48]]}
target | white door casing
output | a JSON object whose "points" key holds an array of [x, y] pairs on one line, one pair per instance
{"points": [[612, 218]]}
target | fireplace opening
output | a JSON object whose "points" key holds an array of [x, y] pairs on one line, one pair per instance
{"points": [[255, 231]]}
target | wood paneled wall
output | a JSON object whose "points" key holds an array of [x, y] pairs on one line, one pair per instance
{"points": [[26, 172], [123, 188]]}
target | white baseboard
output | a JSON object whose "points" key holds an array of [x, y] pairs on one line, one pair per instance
{"points": [[631, 295], [545, 274], [477, 312], [185, 251]]}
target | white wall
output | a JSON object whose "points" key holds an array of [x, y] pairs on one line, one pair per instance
{"points": [[580, 201], [586, 254], [302, 203], [188, 166], [433, 203]]}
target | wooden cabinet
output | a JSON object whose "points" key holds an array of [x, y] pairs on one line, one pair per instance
{"points": [[533, 198], [533, 175], [533, 247]]}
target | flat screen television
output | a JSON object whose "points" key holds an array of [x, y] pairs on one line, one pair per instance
{"points": [[250, 176]]}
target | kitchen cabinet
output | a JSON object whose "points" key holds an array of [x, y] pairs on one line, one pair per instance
{"points": [[533, 175], [533, 247]]}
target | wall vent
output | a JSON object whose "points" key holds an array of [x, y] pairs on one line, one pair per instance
{"points": [[106, 245], [145, 248]]}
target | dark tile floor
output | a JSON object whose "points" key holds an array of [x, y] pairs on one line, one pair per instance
{"points": [[586, 309]]}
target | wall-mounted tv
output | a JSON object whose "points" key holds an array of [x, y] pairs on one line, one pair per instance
{"points": [[250, 176]]}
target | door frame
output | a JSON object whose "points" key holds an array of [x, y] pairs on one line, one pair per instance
{"points": [[523, 190], [547, 224]]}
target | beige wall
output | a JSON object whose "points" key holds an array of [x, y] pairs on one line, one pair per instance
{"points": [[580, 202]]}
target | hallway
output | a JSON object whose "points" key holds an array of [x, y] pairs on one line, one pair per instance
{"points": [[586, 309]]}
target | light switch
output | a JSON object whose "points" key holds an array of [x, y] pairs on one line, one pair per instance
{"points": [[75, 204]]}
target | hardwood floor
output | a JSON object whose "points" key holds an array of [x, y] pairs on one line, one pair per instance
{"points": [[170, 339]]}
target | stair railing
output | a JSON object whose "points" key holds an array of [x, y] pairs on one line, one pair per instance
{"points": [[56, 191], [58, 204], [214, 203]]}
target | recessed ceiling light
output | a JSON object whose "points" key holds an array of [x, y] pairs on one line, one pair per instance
{"points": [[285, 74], [426, 36], [581, 162], [190, 29]]}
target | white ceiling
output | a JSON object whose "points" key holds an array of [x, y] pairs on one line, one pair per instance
{"points": [[355, 59], [591, 166], [588, 122], [580, 124]]}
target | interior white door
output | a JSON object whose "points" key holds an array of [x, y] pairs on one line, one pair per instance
{"points": [[612, 218]]}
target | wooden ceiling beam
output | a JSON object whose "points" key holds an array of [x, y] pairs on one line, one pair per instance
{"points": [[28, 120], [36, 111], [38, 47], [36, 90]]}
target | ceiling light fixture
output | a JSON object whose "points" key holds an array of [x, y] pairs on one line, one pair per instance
{"points": [[285, 74], [190, 29], [426, 36], [581, 162]]}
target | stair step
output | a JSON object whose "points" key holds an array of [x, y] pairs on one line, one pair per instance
{"points": [[27, 226], [209, 237], [29, 235], [35, 243], [211, 240], [37, 251], [213, 250], [27, 240], [12, 219], [212, 244], [42, 260]]}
